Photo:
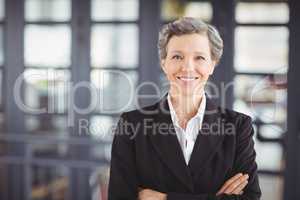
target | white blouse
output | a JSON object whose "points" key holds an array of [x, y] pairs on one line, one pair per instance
{"points": [[187, 137]]}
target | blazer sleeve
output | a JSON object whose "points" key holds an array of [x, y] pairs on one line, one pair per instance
{"points": [[244, 162], [123, 182]]}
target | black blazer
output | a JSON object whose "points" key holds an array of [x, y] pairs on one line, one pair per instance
{"points": [[146, 153]]}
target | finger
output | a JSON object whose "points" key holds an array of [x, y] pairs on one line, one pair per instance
{"points": [[139, 194], [236, 184], [150, 194], [242, 192], [240, 188], [228, 182], [143, 193]]}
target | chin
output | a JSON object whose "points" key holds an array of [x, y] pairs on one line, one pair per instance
{"points": [[188, 92]]}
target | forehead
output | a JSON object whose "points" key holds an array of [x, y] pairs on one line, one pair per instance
{"points": [[189, 42]]}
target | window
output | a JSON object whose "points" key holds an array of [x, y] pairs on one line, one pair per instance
{"points": [[172, 9], [47, 60], [115, 10], [114, 75], [114, 46], [47, 10], [113, 36], [253, 55], [261, 65]]}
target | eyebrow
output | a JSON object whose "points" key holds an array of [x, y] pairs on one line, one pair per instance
{"points": [[196, 52], [176, 51]]}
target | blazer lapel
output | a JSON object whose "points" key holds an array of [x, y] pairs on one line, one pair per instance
{"points": [[166, 144], [208, 140]]}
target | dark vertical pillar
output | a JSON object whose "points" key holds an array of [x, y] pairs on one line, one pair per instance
{"points": [[148, 58], [223, 19], [80, 73], [292, 171], [13, 68]]}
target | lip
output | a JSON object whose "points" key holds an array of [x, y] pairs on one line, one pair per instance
{"points": [[187, 78], [187, 81]]}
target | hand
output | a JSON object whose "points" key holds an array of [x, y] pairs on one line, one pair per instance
{"points": [[234, 185], [148, 194]]}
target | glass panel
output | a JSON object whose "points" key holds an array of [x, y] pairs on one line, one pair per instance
{"points": [[269, 156], [272, 131], [51, 183], [47, 46], [262, 13], [47, 10], [10, 147], [172, 9], [103, 10], [46, 91], [271, 187], [99, 182], [1, 46], [262, 97], [115, 90], [101, 152], [2, 10], [56, 150], [101, 127], [47, 124], [114, 46], [261, 49]]}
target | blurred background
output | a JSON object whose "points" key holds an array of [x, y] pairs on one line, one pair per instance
{"points": [[54, 43]]}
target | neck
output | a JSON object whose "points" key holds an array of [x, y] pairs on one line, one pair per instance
{"points": [[186, 106]]}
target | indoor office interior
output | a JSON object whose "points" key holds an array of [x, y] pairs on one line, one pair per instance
{"points": [[48, 46]]}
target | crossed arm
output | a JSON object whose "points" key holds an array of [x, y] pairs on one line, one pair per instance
{"points": [[233, 186]]}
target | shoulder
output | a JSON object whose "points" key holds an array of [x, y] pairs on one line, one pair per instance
{"points": [[227, 115], [240, 123], [131, 122], [234, 116], [142, 113]]}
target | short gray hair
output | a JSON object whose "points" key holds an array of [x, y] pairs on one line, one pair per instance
{"points": [[189, 25]]}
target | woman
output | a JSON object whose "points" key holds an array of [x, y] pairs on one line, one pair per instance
{"points": [[184, 147]]}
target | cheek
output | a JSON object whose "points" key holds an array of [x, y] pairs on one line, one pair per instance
{"points": [[206, 68], [205, 71], [171, 68]]}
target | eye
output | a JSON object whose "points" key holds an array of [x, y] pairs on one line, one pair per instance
{"points": [[176, 57], [200, 58]]}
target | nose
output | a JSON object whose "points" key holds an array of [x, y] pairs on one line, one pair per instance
{"points": [[188, 64]]}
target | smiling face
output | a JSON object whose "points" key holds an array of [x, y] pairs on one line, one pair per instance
{"points": [[188, 63]]}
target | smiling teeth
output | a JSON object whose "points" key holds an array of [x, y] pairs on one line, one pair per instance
{"points": [[187, 78]]}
